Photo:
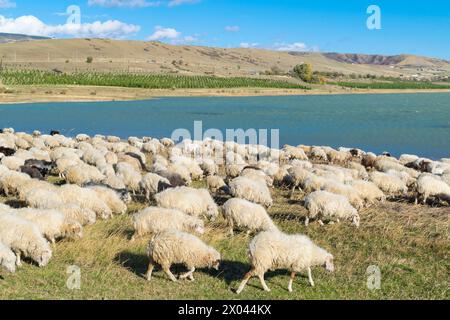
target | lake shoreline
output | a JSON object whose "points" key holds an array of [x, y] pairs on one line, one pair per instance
{"points": [[36, 94]]}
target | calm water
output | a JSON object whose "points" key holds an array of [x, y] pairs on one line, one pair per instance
{"points": [[401, 123]]}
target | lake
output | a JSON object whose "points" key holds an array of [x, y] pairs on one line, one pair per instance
{"points": [[398, 123]]}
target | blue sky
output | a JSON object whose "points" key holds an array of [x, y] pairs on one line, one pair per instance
{"points": [[415, 27]]}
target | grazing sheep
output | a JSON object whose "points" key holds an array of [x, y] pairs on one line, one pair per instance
{"points": [[233, 170], [12, 181], [7, 259], [86, 198], [153, 183], [388, 183], [368, 160], [257, 174], [24, 239], [345, 190], [173, 246], [318, 153], [130, 177], [111, 198], [338, 157], [82, 174], [272, 250], [53, 224], [215, 183], [83, 216], [431, 186], [245, 214], [13, 162], [291, 152], [323, 204], [368, 191], [195, 202], [298, 177], [153, 220], [113, 181], [251, 190]]}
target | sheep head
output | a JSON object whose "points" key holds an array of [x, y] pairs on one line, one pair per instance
{"points": [[329, 262]]}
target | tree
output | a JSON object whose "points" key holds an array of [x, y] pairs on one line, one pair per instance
{"points": [[89, 59], [304, 72]]}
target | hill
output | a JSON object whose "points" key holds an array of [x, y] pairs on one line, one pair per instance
{"points": [[13, 37], [70, 55]]}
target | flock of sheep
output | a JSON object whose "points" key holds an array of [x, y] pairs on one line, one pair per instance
{"points": [[103, 174]]}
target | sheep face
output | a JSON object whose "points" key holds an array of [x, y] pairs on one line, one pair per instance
{"points": [[212, 212], [74, 230], [355, 220], [214, 260], [44, 257], [329, 263]]}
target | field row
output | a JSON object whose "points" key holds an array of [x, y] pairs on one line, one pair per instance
{"points": [[148, 81]]}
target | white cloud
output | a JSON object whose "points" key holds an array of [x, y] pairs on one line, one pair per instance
{"points": [[124, 3], [248, 45], [171, 35], [296, 46], [232, 28], [33, 26], [7, 4], [174, 3], [164, 34]]}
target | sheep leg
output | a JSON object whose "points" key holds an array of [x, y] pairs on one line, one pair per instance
{"points": [[263, 282], [311, 281], [167, 271], [148, 275], [231, 226], [291, 194], [306, 221], [188, 274], [18, 262], [247, 277], [321, 222], [291, 280]]}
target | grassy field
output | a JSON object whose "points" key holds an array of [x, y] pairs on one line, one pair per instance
{"points": [[410, 245], [392, 85], [148, 81]]}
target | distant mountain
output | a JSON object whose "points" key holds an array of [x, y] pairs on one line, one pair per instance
{"points": [[12, 37], [375, 59]]}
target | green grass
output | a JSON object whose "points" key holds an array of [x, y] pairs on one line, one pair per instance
{"points": [[410, 245], [391, 85], [149, 81]]}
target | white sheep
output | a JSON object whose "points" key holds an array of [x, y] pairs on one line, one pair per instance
{"points": [[75, 212], [388, 183], [323, 204], [111, 198], [153, 220], [153, 183], [130, 177], [7, 259], [431, 186], [245, 214], [53, 224], [368, 191], [173, 246], [195, 202], [251, 190], [82, 174], [272, 250], [13, 162], [215, 183], [24, 239], [345, 190]]}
